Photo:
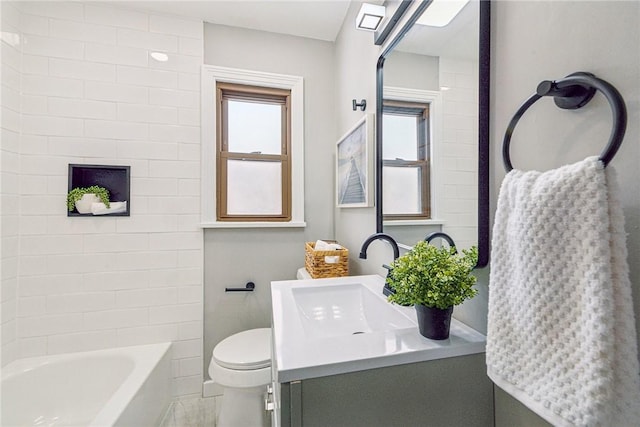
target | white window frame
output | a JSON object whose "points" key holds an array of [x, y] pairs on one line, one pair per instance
{"points": [[434, 99], [210, 76]]}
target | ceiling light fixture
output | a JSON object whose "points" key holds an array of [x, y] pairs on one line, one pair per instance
{"points": [[369, 17], [441, 12]]}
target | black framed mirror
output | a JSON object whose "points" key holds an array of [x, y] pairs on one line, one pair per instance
{"points": [[432, 128]]}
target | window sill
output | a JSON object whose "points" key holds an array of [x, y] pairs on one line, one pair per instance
{"points": [[293, 224], [403, 222]]}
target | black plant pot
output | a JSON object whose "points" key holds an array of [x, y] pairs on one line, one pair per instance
{"points": [[434, 322]]}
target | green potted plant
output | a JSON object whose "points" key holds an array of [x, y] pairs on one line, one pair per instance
{"points": [[81, 198], [434, 280]]}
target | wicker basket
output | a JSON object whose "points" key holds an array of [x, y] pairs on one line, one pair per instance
{"points": [[317, 267]]}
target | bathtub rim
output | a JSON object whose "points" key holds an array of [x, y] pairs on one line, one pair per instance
{"points": [[146, 358]]}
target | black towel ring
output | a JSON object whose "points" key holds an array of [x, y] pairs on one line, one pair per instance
{"points": [[570, 93]]}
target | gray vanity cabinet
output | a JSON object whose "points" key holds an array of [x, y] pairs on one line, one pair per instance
{"points": [[447, 392]]}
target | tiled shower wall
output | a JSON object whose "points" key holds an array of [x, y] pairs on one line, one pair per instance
{"points": [[459, 149], [92, 94], [10, 137]]}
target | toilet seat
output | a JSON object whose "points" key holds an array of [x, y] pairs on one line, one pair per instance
{"points": [[247, 350]]}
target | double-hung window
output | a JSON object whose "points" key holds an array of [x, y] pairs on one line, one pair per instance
{"points": [[253, 153], [406, 169]]}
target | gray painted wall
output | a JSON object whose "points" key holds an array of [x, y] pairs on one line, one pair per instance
{"points": [[535, 41], [235, 256]]}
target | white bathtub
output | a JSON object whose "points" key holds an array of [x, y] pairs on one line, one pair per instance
{"points": [[127, 386]]}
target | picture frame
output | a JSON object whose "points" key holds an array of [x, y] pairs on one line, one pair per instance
{"points": [[354, 165]]}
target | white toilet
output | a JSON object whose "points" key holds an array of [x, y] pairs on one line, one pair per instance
{"points": [[241, 364]]}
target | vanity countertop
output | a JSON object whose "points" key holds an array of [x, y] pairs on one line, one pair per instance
{"points": [[299, 355]]}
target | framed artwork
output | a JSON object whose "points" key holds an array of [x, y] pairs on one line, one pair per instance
{"points": [[354, 165]]}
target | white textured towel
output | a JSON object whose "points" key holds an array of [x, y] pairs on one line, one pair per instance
{"points": [[561, 333]]}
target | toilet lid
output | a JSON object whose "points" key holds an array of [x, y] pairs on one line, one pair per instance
{"points": [[245, 350]]}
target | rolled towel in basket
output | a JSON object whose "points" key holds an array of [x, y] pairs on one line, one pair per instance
{"points": [[321, 245]]}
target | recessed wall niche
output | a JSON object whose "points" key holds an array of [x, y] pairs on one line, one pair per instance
{"points": [[116, 179]]}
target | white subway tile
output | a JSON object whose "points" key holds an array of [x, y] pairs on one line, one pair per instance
{"points": [[147, 150], [10, 143], [147, 113], [119, 242], [187, 348], [147, 224], [32, 346], [116, 92], [175, 314], [191, 46], [154, 187], [174, 98], [191, 366], [190, 330], [146, 40], [114, 16], [34, 104], [8, 311], [80, 263], [46, 245], [34, 64], [81, 31], [80, 303], [177, 62], [31, 306], [32, 144], [190, 294], [186, 386], [43, 165], [189, 258], [32, 225], [34, 25], [57, 48], [115, 280], [189, 81], [189, 187], [51, 86], [66, 107], [175, 25], [175, 133], [42, 205], [84, 70], [82, 341], [147, 77], [146, 297], [175, 169], [168, 241], [189, 116], [49, 284], [173, 205], [189, 222], [115, 129], [189, 152], [113, 319], [48, 325], [70, 225], [10, 80], [176, 277], [85, 147], [147, 334], [113, 54], [146, 260], [10, 119], [63, 10]]}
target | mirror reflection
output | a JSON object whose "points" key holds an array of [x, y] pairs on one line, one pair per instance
{"points": [[430, 135]]}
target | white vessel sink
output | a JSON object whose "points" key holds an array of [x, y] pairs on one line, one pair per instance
{"points": [[349, 309]]}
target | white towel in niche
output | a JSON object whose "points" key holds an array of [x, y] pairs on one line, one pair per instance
{"points": [[561, 330]]}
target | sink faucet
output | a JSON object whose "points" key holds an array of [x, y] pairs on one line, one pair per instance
{"points": [[386, 290], [442, 235]]}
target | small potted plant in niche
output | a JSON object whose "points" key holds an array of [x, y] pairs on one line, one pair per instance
{"points": [[434, 280], [81, 198]]}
